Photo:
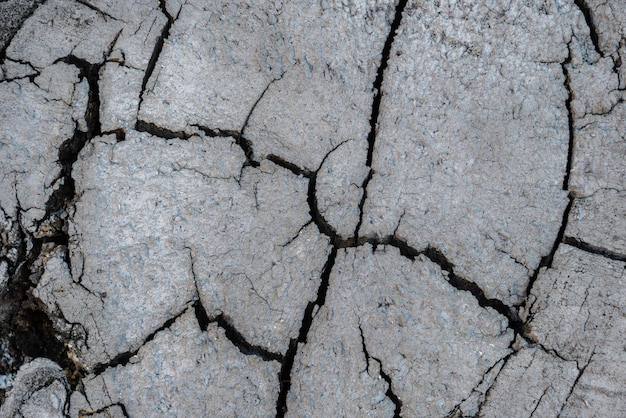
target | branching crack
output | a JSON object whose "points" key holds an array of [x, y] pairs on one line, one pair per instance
{"points": [[455, 412], [35, 334]]}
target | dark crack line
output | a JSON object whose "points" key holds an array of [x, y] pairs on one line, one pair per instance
{"points": [[545, 391], [155, 130], [389, 393], [364, 348], [40, 338], [158, 48], [546, 261], [284, 376], [233, 335], [570, 117], [88, 413], [495, 379], [581, 371], [457, 407], [122, 359], [603, 252], [593, 32], [290, 166], [458, 282], [378, 94], [95, 9]]}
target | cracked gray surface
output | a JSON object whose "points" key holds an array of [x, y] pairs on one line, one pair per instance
{"points": [[345, 208]]}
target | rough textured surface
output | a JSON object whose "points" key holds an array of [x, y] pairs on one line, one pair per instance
{"points": [[456, 157], [39, 390], [339, 208], [384, 315], [577, 310], [179, 361], [545, 378]]}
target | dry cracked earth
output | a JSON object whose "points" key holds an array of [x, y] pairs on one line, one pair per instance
{"points": [[313, 209]]}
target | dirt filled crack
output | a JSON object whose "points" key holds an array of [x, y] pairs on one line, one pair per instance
{"points": [[103, 411], [32, 331], [284, 376], [378, 94]]}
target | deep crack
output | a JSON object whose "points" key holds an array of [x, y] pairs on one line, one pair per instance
{"points": [[593, 32], [284, 376]]}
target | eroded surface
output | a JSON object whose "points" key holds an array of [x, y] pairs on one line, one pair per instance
{"points": [[341, 209]]}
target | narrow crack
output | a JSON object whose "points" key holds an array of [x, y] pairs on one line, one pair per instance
{"points": [[593, 32], [505, 360], [581, 371], [389, 393], [570, 117], [532, 413], [546, 261], [364, 348], [378, 94], [581, 245], [290, 166], [457, 408], [284, 376]]}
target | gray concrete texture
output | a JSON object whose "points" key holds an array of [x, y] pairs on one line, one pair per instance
{"points": [[336, 208]]}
